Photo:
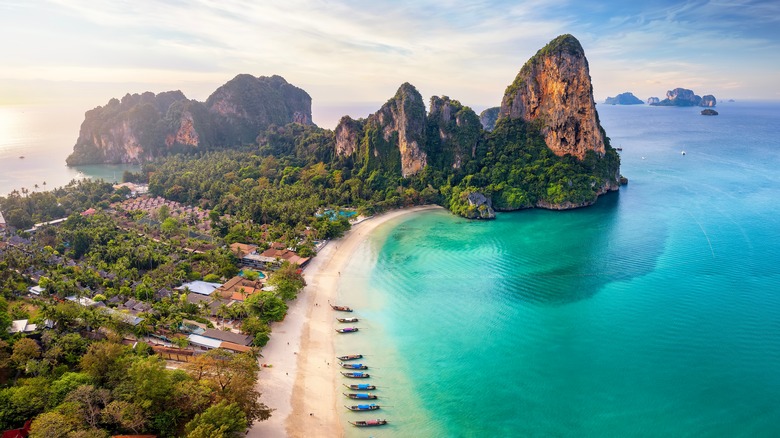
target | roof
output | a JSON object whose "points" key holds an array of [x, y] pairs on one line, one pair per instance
{"points": [[235, 347], [200, 287], [21, 326], [238, 288], [37, 290], [242, 249], [284, 254], [228, 336], [204, 341]]}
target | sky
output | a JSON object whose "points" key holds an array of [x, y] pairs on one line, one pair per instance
{"points": [[351, 56]]}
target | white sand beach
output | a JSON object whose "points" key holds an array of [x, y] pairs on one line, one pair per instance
{"points": [[301, 384]]}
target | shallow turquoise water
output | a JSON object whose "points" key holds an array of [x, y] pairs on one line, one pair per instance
{"points": [[654, 313]]}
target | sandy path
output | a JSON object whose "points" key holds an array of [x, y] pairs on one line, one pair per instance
{"points": [[302, 385]]}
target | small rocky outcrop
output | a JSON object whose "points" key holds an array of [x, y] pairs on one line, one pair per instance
{"points": [[709, 112], [626, 98], [708, 101], [480, 207], [554, 91], [348, 134], [489, 117], [653, 100], [142, 127]]}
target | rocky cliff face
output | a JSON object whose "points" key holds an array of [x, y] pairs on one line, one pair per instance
{"points": [[489, 117], [141, 127], [392, 138], [453, 132], [554, 90]]}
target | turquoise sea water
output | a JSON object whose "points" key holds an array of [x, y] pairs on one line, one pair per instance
{"points": [[655, 312], [44, 135]]}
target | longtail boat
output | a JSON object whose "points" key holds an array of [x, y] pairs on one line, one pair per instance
{"points": [[356, 375], [368, 423], [363, 386], [347, 319], [361, 396], [349, 357], [353, 366], [347, 330], [371, 407], [340, 308]]}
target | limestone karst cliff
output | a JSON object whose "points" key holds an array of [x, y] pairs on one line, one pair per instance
{"points": [[553, 89], [453, 133], [489, 117], [142, 127], [685, 97], [392, 138]]}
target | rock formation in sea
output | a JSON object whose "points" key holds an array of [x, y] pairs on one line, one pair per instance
{"points": [[709, 112], [653, 100], [489, 117], [708, 100], [482, 207], [142, 127], [626, 98], [554, 91]]}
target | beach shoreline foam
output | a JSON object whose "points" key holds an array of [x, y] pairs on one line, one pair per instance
{"points": [[301, 385]]}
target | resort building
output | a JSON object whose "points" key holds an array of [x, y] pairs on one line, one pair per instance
{"points": [[238, 288], [199, 287], [242, 249], [22, 326], [211, 339]]}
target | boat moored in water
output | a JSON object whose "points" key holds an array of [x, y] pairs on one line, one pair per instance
{"points": [[349, 357], [339, 308], [371, 407], [369, 423], [347, 330], [356, 375], [353, 319], [362, 386], [361, 396], [353, 366]]}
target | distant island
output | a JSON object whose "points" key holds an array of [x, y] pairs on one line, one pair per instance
{"points": [[626, 98], [709, 112], [543, 147], [684, 97], [653, 100]]}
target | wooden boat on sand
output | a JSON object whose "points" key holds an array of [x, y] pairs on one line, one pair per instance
{"points": [[362, 386], [353, 319], [353, 366], [349, 357], [356, 375], [361, 396], [371, 407], [347, 330], [368, 423]]}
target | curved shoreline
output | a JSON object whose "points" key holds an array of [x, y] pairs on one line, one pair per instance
{"points": [[301, 385]]}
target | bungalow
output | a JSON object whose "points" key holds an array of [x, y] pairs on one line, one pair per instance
{"points": [[35, 290], [213, 303], [272, 257]]}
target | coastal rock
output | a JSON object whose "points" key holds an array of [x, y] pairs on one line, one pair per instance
{"points": [[708, 101], [489, 117], [680, 97], [626, 98], [709, 112], [453, 133], [554, 90], [480, 207], [653, 100], [142, 127]]}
